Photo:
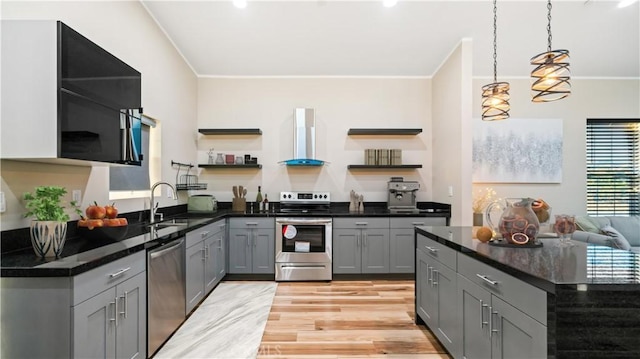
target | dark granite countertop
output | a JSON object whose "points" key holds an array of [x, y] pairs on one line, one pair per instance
{"points": [[549, 265], [82, 254]]}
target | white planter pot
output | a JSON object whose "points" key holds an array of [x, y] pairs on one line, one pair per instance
{"points": [[47, 237]]}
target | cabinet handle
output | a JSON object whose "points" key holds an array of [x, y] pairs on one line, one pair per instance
{"points": [[124, 302], [358, 240], [113, 275], [482, 306], [490, 322], [493, 325], [418, 223], [206, 252], [115, 311], [486, 279], [204, 234], [429, 275], [361, 223], [435, 275], [364, 241], [432, 250], [252, 223], [255, 239], [248, 238]]}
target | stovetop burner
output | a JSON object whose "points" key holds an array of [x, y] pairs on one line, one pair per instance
{"points": [[305, 202]]}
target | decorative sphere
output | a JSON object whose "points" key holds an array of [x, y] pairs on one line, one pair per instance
{"points": [[484, 234]]}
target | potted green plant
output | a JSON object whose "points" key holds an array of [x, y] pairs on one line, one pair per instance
{"points": [[49, 228]]}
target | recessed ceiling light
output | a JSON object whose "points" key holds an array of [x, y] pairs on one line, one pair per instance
{"points": [[389, 3], [240, 4], [625, 3]]}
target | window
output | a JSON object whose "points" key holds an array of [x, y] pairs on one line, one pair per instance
{"points": [[134, 181], [613, 167]]}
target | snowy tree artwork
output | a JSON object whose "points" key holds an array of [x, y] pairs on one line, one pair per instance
{"points": [[517, 151]]}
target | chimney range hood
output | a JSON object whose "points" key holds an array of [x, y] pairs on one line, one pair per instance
{"points": [[304, 139]]}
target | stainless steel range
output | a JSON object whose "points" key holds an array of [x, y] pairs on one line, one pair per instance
{"points": [[303, 237]]}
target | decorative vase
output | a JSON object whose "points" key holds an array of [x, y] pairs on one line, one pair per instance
{"points": [[518, 223], [48, 237], [477, 219]]}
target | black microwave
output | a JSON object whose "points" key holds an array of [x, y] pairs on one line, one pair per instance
{"points": [[99, 102]]}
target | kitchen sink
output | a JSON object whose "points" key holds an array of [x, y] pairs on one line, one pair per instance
{"points": [[176, 222]]}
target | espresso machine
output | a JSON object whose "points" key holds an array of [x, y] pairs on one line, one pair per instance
{"points": [[402, 195]]}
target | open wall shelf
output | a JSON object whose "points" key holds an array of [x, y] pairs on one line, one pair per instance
{"points": [[384, 131], [383, 166], [230, 131], [208, 166]]}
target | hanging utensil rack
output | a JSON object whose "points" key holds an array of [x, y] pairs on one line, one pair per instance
{"points": [[187, 181]]}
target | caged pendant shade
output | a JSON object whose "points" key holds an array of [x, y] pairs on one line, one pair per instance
{"points": [[495, 101], [495, 96], [551, 75]]}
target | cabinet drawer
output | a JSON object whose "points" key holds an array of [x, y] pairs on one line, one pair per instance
{"points": [[361, 222], [252, 223], [527, 298], [90, 283], [410, 222], [439, 251]]}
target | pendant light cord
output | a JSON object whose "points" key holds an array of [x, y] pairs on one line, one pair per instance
{"points": [[549, 26], [495, 42]]}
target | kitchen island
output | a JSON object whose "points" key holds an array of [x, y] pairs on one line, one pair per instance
{"points": [[559, 302]]}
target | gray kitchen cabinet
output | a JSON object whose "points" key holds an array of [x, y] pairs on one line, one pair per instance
{"points": [[251, 246], [112, 323], [491, 326], [401, 241], [436, 291], [101, 313], [360, 245], [204, 249], [109, 325]]}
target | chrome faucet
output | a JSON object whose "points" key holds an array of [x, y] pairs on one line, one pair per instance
{"points": [[153, 206]]}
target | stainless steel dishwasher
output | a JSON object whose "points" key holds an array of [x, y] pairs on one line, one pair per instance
{"points": [[166, 292]]}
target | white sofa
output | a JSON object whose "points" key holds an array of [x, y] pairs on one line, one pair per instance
{"points": [[613, 231]]}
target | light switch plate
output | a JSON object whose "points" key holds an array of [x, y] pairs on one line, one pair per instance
{"points": [[76, 196], [3, 203]]}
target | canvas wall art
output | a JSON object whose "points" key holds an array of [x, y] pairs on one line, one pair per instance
{"points": [[517, 151]]}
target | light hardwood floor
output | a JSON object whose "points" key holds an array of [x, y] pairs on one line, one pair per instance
{"points": [[346, 319]]}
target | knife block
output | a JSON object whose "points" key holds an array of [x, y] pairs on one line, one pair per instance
{"points": [[239, 205]]}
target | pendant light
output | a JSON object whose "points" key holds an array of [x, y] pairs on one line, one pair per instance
{"points": [[550, 78], [495, 96]]}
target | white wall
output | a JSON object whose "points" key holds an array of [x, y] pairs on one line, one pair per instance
{"points": [[340, 104], [452, 99], [169, 87], [590, 98]]}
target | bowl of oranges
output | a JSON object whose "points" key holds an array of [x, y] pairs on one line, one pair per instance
{"points": [[102, 222]]}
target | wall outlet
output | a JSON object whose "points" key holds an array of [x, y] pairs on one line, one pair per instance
{"points": [[76, 196], [3, 203], [169, 193], [450, 191]]}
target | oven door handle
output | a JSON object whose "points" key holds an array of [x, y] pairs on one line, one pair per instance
{"points": [[303, 220]]}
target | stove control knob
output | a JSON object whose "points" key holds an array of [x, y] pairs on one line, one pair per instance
{"points": [[315, 196], [325, 196]]}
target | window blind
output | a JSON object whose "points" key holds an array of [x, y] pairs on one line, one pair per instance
{"points": [[605, 264], [613, 167]]}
